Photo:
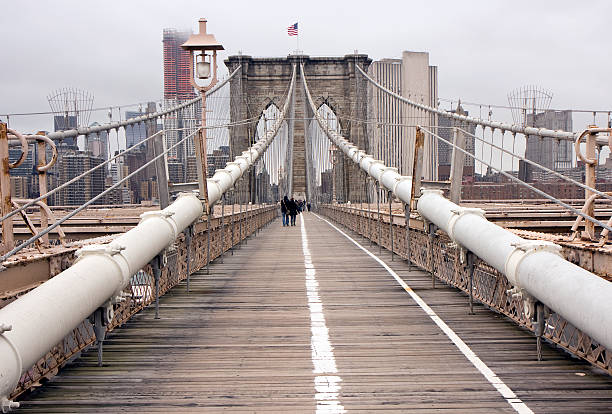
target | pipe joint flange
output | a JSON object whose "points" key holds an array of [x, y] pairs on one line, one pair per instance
{"points": [[217, 183], [431, 191], [385, 171], [225, 171], [400, 180], [5, 328], [112, 252], [521, 251], [457, 214], [7, 405], [192, 193], [165, 214], [99, 249], [372, 165]]}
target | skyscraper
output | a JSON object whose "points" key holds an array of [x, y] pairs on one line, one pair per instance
{"points": [[386, 137], [63, 123], [73, 164], [136, 132], [97, 143], [394, 133], [177, 89], [420, 84], [548, 152], [445, 150], [176, 66]]}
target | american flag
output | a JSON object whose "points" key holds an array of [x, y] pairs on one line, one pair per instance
{"points": [[292, 30]]}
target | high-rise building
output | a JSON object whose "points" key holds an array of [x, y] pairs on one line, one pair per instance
{"points": [[23, 175], [63, 123], [218, 159], [394, 134], [420, 84], [176, 66], [97, 143], [176, 171], [445, 151], [548, 152], [191, 172], [136, 132], [387, 136], [118, 171], [178, 89], [73, 164]]}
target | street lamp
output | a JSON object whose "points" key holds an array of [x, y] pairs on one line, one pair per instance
{"points": [[202, 42]]}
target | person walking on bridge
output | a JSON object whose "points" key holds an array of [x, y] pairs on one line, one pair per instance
{"points": [[285, 211], [293, 210]]}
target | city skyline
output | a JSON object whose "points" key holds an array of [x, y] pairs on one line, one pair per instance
{"points": [[501, 34]]}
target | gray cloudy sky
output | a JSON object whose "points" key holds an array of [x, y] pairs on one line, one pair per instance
{"points": [[483, 49]]}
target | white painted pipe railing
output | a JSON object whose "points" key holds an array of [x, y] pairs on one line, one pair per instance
{"points": [[535, 268], [39, 320]]}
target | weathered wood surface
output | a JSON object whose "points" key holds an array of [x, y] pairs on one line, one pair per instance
{"points": [[240, 342]]}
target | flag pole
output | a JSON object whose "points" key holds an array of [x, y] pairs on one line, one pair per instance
{"points": [[298, 39]]}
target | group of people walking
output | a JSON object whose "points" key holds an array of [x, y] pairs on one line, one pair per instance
{"points": [[291, 208]]}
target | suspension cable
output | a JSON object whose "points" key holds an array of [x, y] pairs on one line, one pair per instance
{"points": [[542, 132], [91, 201], [535, 164], [120, 154], [523, 183]]}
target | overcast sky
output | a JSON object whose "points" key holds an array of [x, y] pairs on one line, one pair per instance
{"points": [[483, 49]]}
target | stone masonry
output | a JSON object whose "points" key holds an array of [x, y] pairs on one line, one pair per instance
{"points": [[332, 81]]}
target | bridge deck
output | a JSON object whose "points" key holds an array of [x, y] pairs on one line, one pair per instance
{"points": [[241, 341]]}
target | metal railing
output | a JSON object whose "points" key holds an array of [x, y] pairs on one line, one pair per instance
{"points": [[110, 267], [535, 269], [224, 234], [437, 254]]}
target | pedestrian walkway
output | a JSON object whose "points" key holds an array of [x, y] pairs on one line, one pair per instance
{"points": [[302, 320]]}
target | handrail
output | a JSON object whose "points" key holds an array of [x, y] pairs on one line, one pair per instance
{"points": [[536, 268], [38, 320]]}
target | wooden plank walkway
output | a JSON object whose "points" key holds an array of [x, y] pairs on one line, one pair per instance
{"points": [[240, 341]]}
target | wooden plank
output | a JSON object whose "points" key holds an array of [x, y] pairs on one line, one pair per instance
{"points": [[240, 342]]}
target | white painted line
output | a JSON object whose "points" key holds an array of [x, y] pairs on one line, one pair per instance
{"points": [[327, 386], [518, 405]]}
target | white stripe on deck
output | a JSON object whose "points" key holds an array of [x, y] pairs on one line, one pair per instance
{"points": [[518, 405], [327, 386]]}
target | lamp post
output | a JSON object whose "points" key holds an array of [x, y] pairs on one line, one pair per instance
{"points": [[202, 42]]}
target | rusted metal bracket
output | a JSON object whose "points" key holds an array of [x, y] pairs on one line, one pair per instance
{"points": [[539, 323], [431, 233], [157, 264], [189, 231], [100, 319]]}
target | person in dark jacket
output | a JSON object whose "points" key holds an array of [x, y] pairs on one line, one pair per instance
{"points": [[293, 210], [285, 211]]}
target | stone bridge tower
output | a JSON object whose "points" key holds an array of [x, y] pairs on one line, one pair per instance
{"points": [[332, 80]]}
